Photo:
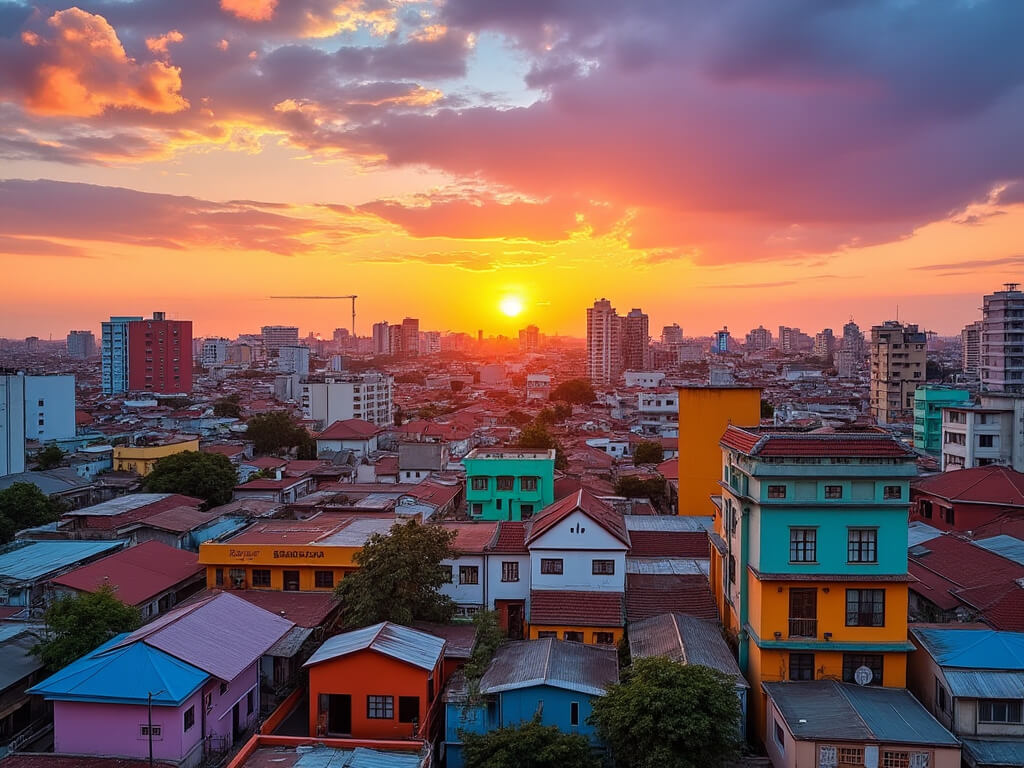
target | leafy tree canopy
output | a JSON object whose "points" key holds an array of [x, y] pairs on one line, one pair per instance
{"points": [[663, 714], [49, 457], [277, 432], [488, 637], [76, 625], [399, 577], [23, 505], [640, 488], [535, 437], [531, 745], [648, 452], [574, 391], [207, 476], [229, 407]]}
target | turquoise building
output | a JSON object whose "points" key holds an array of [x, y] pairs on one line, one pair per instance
{"points": [[928, 404], [508, 484], [554, 679]]}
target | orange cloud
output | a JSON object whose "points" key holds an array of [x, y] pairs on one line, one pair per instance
{"points": [[349, 16], [250, 10], [82, 70], [159, 44]]}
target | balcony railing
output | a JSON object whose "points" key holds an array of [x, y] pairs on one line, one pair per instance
{"points": [[803, 627]]}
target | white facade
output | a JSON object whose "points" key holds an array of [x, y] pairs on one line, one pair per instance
{"points": [[604, 343], [293, 359], [578, 541], [12, 424], [491, 586], [538, 386], [644, 378], [49, 407], [992, 433], [658, 409], [359, 446], [430, 342], [214, 352], [466, 589], [114, 351], [367, 396], [1001, 364], [610, 445]]}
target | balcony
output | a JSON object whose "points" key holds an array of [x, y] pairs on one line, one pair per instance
{"points": [[803, 628]]}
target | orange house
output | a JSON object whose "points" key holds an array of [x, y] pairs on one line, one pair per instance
{"points": [[378, 682]]}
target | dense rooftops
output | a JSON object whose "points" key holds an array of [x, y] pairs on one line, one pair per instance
{"points": [[773, 442]]}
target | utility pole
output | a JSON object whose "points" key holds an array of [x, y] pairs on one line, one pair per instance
{"points": [[149, 721], [328, 298]]}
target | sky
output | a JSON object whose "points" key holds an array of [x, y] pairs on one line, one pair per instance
{"points": [[713, 162]]}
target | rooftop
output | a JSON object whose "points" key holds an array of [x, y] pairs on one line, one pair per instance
{"points": [[686, 639], [650, 594], [32, 560], [491, 453], [556, 607], [973, 648], [869, 443], [985, 485], [349, 429], [588, 669], [585, 502], [403, 643]]}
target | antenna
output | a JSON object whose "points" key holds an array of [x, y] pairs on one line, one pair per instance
{"points": [[329, 297]]}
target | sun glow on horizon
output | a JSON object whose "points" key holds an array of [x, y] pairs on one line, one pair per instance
{"points": [[511, 306]]}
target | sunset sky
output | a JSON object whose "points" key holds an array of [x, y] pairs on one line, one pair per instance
{"points": [[712, 161]]}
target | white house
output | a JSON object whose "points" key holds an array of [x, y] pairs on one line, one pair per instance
{"points": [[349, 435]]}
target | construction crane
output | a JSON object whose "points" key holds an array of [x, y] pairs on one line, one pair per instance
{"points": [[329, 298]]}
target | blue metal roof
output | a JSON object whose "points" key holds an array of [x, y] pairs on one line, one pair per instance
{"points": [[1008, 752], [1009, 547], [973, 648], [35, 559], [124, 675], [319, 756]]}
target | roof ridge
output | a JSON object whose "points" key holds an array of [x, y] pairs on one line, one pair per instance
{"points": [[547, 658], [841, 687], [679, 633]]}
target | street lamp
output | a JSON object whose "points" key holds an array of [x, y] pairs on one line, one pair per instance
{"points": [[149, 720]]}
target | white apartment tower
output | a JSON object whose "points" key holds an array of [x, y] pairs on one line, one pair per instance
{"points": [[1001, 363], [970, 344], [636, 341], [604, 343], [114, 349], [12, 425], [367, 396], [898, 367], [381, 339]]}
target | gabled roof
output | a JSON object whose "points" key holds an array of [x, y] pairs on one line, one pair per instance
{"points": [[973, 648], [138, 574], [571, 666], [471, 537], [510, 538], [986, 485], [28, 561], [350, 429], [752, 441], [402, 643], [685, 639], [585, 502]]}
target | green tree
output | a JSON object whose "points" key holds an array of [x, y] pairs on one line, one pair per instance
{"points": [[275, 432], [23, 505], [399, 577], [517, 418], [767, 409], [562, 411], [207, 476], [229, 407], [663, 714], [536, 437], [456, 385], [574, 391], [76, 625], [531, 745], [49, 457], [547, 416], [648, 452], [633, 487], [488, 637]]}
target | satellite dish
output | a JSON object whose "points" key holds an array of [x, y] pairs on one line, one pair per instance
{"points": [[863, 675]]}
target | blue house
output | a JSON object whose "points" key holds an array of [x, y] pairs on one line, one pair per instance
{"points": [[554, 679]]}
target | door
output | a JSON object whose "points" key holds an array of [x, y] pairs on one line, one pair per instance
{"points": [[235, 729], [515, 621], [339, 714], [291, 581], [803, 612]]}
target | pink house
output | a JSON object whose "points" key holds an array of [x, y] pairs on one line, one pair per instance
{"points": [[198, 664]]}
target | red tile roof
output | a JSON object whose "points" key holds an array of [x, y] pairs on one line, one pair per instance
{"points": [[669, 468], [510, 538], [179, 519], [138, 574], [569, 485], [306, 609], [433, 492], [739, 439], [575, 609], [109, 522], [866, 444], [265, 462], [589, 505], [989, 485], [350, 429], [669, 544], [224, 450], [471, 538], [649, 595]]}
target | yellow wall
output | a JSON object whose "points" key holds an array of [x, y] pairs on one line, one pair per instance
{"points": [[141, 459], [588, 632], [307, 576], [278, 559], [704, 413]]}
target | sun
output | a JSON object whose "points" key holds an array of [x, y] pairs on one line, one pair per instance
{"points": [[511, 306]]}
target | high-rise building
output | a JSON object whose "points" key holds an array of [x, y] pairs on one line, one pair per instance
{"points": [[636, 341], [293, 359], [604, 343], [114, 350], [1001, 367], [12, 425], [720, 341], [160, 355], [367, 396], [276, 336], [672, 334], [529, 339], [430, 342], [410, 336], [824, 343], [970, 341], [789, 339], [853, 339], [898, 367], [214, 352], [81, 345], [381, 343], [759, 339]]}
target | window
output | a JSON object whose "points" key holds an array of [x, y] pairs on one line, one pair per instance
{"points": [[261, 577], [574, 713], [218, 577], [323, 579], [604, 638], [895, 759], [380, 707], [223, 688], [250, 701], [986, 441], [603, 567], [925, 509], [479, 483], [862, 545], [942, 700], [528, 483], [497, 503], [526, 510], [469, 574], [190, 717], [850, 756], [801, 666], [833, 491], [803, 613], [509, 570], [865, 607], [408, 709], [447, 571], [477, 509], [156, 731], [892, 492], [779, 735], [546, 634], [803, 545], [999, 711], [854, 661], [551, 565], [576, 637], [776, 491], [506, 483], [732, 569], [237, 576]]}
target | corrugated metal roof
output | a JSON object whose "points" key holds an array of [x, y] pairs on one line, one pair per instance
{"points": [[666, 565], [990, 752], [918, 533], [16, 658], [356, 533], [981, 684], [363, 757], [403, 643], [668, 522], [973, 649], [557, 663], [1009, 547], [686, 639], [290, 644], [36, 559], [120, 505], [894, 715]]}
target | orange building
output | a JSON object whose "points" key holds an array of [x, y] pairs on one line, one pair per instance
{"points": [[378, 682]]}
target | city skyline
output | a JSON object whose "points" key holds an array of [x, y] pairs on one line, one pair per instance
{"points": [[794, 165]]}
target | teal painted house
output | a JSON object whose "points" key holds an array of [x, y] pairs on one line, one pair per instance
{"points": [[928, 404], [509, 484], [556, 679]]}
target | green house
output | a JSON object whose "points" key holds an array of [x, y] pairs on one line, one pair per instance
{"points": [[928, 404], [508, 484]]}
